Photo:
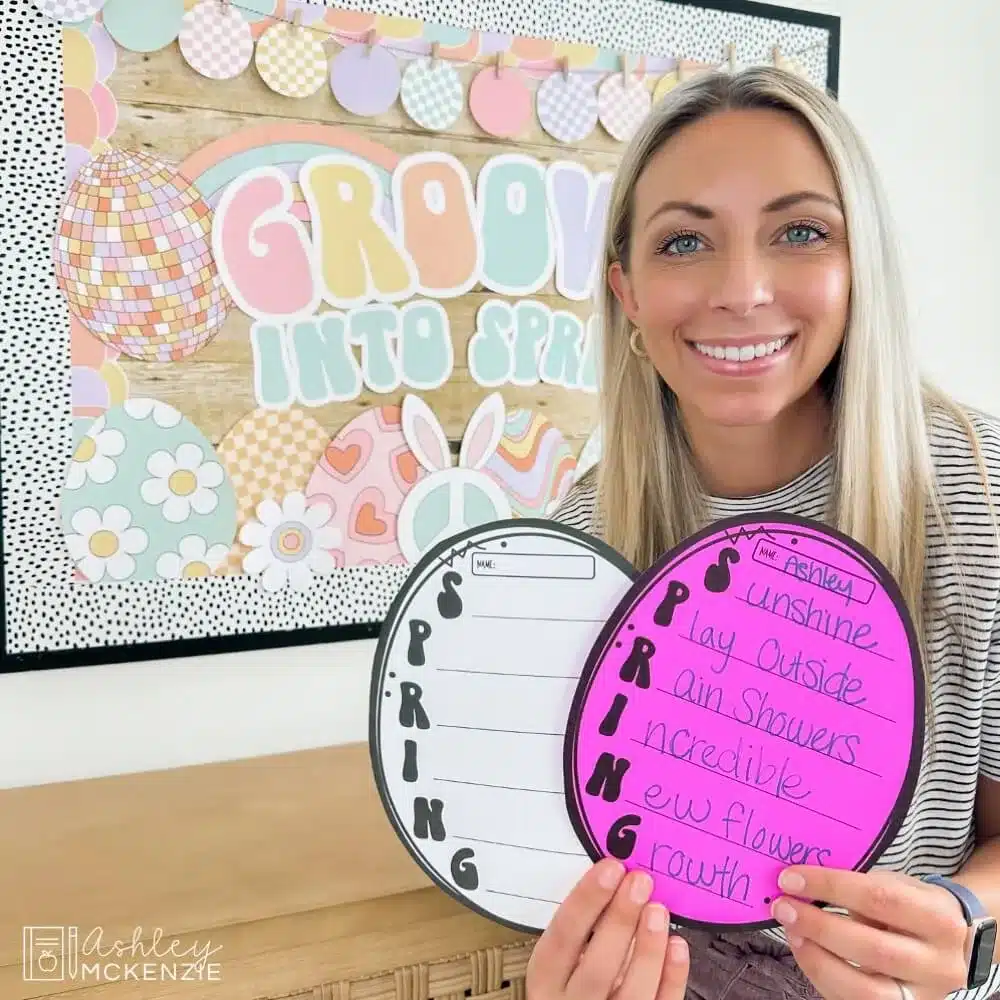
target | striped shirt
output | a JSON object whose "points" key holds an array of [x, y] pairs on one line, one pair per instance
{"points": [[938, 833]]}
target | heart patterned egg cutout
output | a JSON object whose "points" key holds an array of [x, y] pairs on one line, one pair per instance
{"points": [[364, 474]]}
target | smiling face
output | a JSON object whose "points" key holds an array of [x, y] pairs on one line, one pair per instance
{"points": [[738, 275]]}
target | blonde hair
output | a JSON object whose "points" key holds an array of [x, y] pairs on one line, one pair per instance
{"points": [[648, 491]]}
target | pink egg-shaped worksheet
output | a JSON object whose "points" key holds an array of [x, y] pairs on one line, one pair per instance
{"points": [[755, 701]]}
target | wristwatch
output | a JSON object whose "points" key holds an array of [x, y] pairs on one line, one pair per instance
{"points": [[982, 929]]}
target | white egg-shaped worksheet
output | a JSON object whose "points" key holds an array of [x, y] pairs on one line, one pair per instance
{"points": [[474, 674]]}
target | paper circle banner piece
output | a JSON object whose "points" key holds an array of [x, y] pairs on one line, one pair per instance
{"points": [[623, 102], [755, 701], [215, 40], [291, 59], [364, 79], [473, 677], [143, 27], [69, 11], [432, 93], [567, 108], [500, 101]]}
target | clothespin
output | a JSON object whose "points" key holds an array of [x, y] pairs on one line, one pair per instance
{"points": [[564, 63], [297, 18], [499, 64], [435, 49], [731, 57], [624, 62], [369, 41], [776, 55]]}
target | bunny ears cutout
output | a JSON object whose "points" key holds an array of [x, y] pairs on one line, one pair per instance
{"points": [[450, 499], [428, 441]]}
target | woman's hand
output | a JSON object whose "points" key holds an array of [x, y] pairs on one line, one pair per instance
{"points": [[607, 941], [900, 932]]}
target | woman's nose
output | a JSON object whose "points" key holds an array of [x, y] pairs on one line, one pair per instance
{"points": [[742, 282]]}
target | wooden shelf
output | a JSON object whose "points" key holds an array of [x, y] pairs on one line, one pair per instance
{"points": [[285, 867]]}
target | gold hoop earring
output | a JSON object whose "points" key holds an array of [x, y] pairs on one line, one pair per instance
{"points": [[633, 341]]}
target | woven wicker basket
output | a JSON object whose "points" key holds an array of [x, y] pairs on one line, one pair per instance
{"points": [[486, 974]]}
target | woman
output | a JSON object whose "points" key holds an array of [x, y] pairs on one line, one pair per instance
{"points": [[757, 357]]}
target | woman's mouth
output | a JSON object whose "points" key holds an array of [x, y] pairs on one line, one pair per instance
{"points": [[745, 352], [742, 359]]}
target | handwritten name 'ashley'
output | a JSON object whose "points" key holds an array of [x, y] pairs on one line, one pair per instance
{"points": [[525, 225]]}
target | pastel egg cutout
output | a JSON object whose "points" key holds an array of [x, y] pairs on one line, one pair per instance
{"points": [[533, 463], [364, 79], [500, 101], [756, 700], [268, 454], [472, 680], [364, 474], [146, 497], [172, 315]]}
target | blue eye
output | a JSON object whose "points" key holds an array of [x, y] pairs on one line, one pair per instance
{"points": [[678, 246], [802, 235]]}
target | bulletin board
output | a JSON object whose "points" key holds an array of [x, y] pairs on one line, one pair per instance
{"points": [[293, 291]]}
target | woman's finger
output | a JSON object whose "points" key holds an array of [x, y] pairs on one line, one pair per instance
{"points": [[898, 901], [834, 979], [602, 959], [673, 981], [557, 951], [898, 956], [641, 980]]}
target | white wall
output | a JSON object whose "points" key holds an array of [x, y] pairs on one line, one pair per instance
{"points": [[914, 77]]}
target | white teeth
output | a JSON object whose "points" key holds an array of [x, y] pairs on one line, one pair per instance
{"points": [[745, 353]]}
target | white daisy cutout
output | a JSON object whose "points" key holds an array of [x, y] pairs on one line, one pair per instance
{"points": [[289, 544], [105, 543], [194, 558], [182, 482], [94, 458], [143, 408]]}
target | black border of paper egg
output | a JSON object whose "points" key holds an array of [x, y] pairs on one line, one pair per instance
{"points": [[641, 582]]}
